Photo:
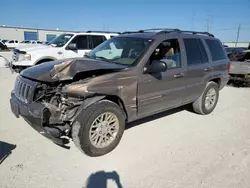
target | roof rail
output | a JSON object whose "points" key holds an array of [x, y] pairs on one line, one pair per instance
{"points": [[198, 32], [168, 30], [129, 32], [163, 30], [103, 32], [160, 29]]}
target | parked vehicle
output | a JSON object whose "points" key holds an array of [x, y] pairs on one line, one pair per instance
{"points": [[12, 43], [4, 41], [30, 42], [236, 53], [67, 45], [125, 78], [45, 42], [3, 46], [240, 73]]}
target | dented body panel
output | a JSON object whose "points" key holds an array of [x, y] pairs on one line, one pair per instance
{"points": [[67, 69]]}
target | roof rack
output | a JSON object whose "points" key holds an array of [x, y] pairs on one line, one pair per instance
{"points": [[168, 30], [103, 32], [163, 30], [198, 32], [160, 30]]}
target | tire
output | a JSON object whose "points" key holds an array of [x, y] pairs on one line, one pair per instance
{"points": [[199, 105], [82, 126]]}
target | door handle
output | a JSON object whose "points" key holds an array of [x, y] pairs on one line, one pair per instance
{"points": [[59, 52], [207, 69], [179, 75]]}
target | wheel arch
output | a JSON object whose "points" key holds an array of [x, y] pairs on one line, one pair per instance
{"points": [[45, 59], [217, 81], [91, 100]]}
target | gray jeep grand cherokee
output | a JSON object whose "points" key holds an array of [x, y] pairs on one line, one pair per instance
{"points": [[128, 77]]}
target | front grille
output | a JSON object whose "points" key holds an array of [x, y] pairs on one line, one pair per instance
{"points": [[15, 55], [24, 89]]}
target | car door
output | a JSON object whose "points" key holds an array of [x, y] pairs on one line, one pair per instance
{"points": [[161, 91], [199, 69], [82, 47]]}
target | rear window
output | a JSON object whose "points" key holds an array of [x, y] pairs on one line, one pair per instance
{"points": [[96, 40], [216, 50]]}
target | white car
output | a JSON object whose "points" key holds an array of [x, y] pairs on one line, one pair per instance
{"points": [[12, 43], [67, 45], [30, 42]]}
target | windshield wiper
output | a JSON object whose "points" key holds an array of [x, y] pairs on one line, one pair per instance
{"points": [[102, 58]]}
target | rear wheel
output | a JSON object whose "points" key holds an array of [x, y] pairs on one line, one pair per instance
{"points": [[99, 129], [206, 103]]}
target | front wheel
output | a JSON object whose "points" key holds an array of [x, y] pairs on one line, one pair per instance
{"points": [[206, 103], [98, 130]]}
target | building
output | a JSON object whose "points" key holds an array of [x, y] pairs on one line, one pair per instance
{"points": [[234, 44], [25, 33]]}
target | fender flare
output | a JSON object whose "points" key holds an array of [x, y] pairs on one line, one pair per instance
{"points": [[86, 103]]}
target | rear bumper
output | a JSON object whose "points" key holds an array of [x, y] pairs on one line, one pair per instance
{"points": [[34, 114]]}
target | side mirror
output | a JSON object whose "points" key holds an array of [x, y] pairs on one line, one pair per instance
{"points": [[72, 46], [156, 67], [85, 54]]}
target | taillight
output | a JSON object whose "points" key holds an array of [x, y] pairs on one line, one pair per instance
{"points": [[228, 66]]}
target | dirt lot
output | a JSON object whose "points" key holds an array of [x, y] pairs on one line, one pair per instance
{"points": [[174, 149]]}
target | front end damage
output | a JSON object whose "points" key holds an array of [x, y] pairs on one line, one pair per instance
{"points": [[46, 108], [50, 96]]}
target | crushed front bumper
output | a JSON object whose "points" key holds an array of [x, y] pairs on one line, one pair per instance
{"points": [[35, 114], [15, 68]]}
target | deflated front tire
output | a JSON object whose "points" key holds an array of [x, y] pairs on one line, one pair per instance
{"points": [[99, 128]]}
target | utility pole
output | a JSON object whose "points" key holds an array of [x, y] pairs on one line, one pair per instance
{"points": [[238, 35], [208, 26]]}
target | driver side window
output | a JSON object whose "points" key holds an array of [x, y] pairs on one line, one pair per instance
{"points": [[169, 52], [81, 42]]}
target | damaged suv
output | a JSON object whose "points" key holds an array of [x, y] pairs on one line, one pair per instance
{"points": [[125, 78]]}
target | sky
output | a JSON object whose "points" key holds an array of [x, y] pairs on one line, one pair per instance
{"points": [[220, 17]]}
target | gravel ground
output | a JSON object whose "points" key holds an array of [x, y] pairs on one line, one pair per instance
{"points": [[174, 149]]}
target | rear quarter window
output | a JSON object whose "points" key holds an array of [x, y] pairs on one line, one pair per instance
{"points": [[216, 50]]}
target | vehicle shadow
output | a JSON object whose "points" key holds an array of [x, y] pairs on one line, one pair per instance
{"points": [[159, 115], [5, 150], [100, 179]]}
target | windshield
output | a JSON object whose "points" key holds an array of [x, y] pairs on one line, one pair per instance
{"points": [[61, 40], [122, 50]]}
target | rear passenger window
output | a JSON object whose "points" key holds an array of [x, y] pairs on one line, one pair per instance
{"points": [[193, 51], [96, 40], [203, 51], [216, 50]]}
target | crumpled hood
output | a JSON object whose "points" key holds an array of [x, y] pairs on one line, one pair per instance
{"points": [[238, 67], [66, 69]]}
